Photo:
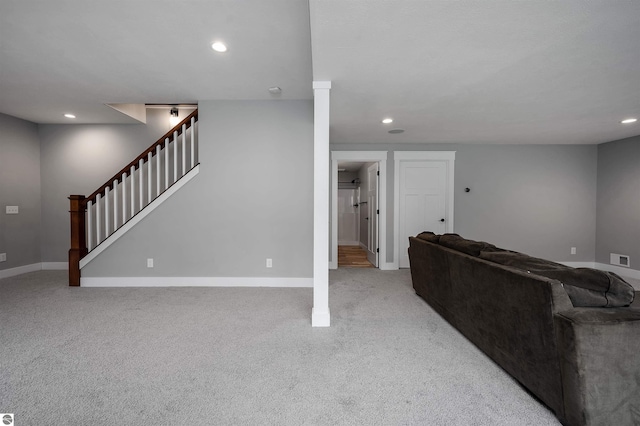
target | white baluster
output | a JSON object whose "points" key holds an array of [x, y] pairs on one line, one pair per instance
{"points": [[158, 170], [141, 182], [175, 156], [193, 152], [184, 149], [106, 212], [115, 205], [89, 225], [166, 163], [132, 176], [149, 179], [124, 198], [98, 207]]}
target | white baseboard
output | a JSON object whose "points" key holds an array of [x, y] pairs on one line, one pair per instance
{"points": [[348, 243], [19, 270], [55, 266], [195, 282]]}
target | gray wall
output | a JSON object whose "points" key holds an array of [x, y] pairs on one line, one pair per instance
{"points": [[77, 159], [618, 226], [19, 186], [538, 199], [252, 200]]}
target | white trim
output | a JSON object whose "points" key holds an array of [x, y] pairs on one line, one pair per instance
{"points": [[365, 156], [137, 218], [195, 282], [19, 270], [399, 156], [320, 316], [55, 266], [33, 267]]}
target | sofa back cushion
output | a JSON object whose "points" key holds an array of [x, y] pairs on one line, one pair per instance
{"points": [[520, 261], [429, 236], [589, 287], [456, 242]]}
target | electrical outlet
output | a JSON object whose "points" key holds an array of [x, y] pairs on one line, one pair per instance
{"points": [[269, 263], [149, 263], [3, 257], [12, 210], [573, 250]]}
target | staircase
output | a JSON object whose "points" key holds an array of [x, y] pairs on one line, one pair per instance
{"points": [[101, 218]]}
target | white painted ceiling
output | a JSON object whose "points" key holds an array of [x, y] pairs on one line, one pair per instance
{"points": [[468, 71]]}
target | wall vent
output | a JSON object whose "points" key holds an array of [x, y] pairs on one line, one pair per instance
{"points": [[620, 260]]}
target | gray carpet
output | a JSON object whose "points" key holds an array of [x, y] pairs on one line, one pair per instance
{"points": [[245, 356]]}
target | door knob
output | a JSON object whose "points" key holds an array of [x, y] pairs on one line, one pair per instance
{"points": [[441, 220]]}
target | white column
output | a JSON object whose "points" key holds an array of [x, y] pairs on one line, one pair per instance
{"points": [[320, 316]]}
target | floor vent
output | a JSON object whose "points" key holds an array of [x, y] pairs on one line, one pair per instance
{"points": [[620, 260]]}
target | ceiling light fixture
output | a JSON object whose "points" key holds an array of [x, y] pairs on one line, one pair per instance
{"points": [[396, 131], [275, 90], [70, 116], [219, 47], [174, 116], [387, 121], [629, 120]]}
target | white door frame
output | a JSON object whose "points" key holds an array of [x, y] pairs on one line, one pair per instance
{"points": [[365, 156], [402, 156]]}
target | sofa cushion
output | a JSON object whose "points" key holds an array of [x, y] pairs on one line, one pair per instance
{"points": [[456, 242], [519, 260], [429, 236], [589, 287]]}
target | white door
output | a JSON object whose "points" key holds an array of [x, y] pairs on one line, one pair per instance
{"points": [[347, 218], [372, 205], [423, 186]]}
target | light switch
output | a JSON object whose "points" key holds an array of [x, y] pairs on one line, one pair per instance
{"points": [[12, 209]]}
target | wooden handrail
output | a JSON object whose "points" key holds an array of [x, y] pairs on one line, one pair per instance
{"points": [[126, 170]]}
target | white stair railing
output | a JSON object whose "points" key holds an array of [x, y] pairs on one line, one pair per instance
{"points": [[139, 183]]}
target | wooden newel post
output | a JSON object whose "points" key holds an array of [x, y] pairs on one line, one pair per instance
{"points": [[78, 248]]}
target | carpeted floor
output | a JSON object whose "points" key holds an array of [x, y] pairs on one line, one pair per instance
{"points": [[244, 356]]}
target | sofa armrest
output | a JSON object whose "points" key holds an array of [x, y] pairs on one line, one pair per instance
{"points": [[599, 352]]}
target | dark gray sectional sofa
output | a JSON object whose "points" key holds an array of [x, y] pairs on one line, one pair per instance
{"points": [[570, 336]]}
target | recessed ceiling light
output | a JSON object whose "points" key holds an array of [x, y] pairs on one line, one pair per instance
{"points": [[396, 131], [220, 47], [70, 116], [387, 120], [629, 120]]}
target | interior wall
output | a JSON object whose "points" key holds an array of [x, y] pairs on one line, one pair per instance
{"points": [[537, 199], [618, 212], [20, 234], [252, 200], [77, 159]]}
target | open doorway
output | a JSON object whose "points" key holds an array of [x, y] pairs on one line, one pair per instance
{"points": [[358, 209], [358, 214]]}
